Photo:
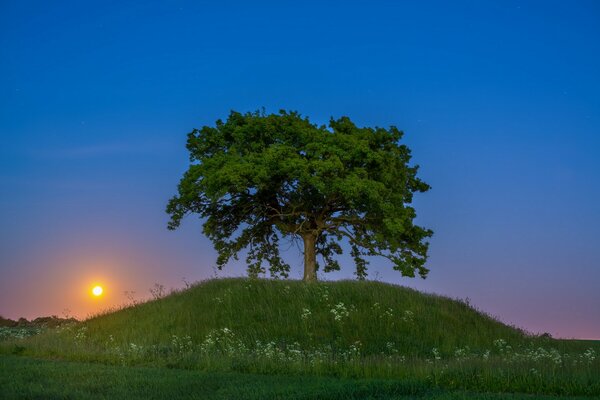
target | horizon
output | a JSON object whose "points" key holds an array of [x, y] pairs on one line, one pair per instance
{"points": [[498, 103], [134, 301]]}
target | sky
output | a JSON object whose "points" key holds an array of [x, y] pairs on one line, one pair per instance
{"points": [[498, 101]]}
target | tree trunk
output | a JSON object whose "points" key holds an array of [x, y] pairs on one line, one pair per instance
{"points": [[310, 257]]}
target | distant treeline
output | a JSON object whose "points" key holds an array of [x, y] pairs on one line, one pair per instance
{"points": [[40, 322]]}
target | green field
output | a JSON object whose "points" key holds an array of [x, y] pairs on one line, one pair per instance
{"points": [[239, 338], [26, 378]]}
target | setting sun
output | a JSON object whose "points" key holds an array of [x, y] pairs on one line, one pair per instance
{"points": [[97, 290]]}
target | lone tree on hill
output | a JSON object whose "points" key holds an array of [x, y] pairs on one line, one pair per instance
{"points": [[257, 178]]}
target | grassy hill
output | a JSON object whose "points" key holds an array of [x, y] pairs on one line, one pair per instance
{"points": [[372, 313], [347, 329]]}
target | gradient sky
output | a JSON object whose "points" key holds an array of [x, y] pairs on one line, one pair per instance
{"points": [[499, 101]]}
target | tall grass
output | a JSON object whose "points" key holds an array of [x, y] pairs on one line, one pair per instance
{"points": [[25, 378], [347, 329]]}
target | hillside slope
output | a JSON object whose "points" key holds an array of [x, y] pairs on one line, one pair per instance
{"points": [[347, 329], [339, 314]]}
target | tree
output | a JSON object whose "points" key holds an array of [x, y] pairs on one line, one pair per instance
{"points": [[258, 178]]}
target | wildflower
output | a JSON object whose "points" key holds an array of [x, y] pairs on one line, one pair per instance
{"points": [[461, 353], [389, 313], [502, 346], [340, 312], [408, 316], [588, 356], [181, 345], [555, 356], [80, 335], [134, 348], [352, 353], [222, 340], [436, 354], [305, 314], [390, 347]]}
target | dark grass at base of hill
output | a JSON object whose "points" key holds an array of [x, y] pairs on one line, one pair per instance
{"points": [[28, 378]]}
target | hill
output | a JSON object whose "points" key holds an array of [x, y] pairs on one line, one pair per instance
{"points": [[354, 329], [325, 313]]}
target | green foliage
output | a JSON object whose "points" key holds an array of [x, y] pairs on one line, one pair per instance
{"points": [[257, 178], [24, 378], [346, 329]]}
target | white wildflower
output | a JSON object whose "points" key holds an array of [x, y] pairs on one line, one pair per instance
{"points": [[306, 313], [408, 316], [340, 312]]}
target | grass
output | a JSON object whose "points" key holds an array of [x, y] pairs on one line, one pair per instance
{"points": [[345, 330], [25, 378]]}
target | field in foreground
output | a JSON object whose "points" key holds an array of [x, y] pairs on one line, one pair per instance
{"points": [[26, 378], [289, 331]]}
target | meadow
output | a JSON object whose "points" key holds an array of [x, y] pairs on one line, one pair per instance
{"points": [[289, 339]]}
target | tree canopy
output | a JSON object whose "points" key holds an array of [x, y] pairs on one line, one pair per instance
{"points": [[256, 179]]}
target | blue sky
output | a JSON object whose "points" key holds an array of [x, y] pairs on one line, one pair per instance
{"points": [[499, 102]]}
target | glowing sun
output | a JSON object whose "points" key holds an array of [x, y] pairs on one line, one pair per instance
{"points": [[97, 291]]}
